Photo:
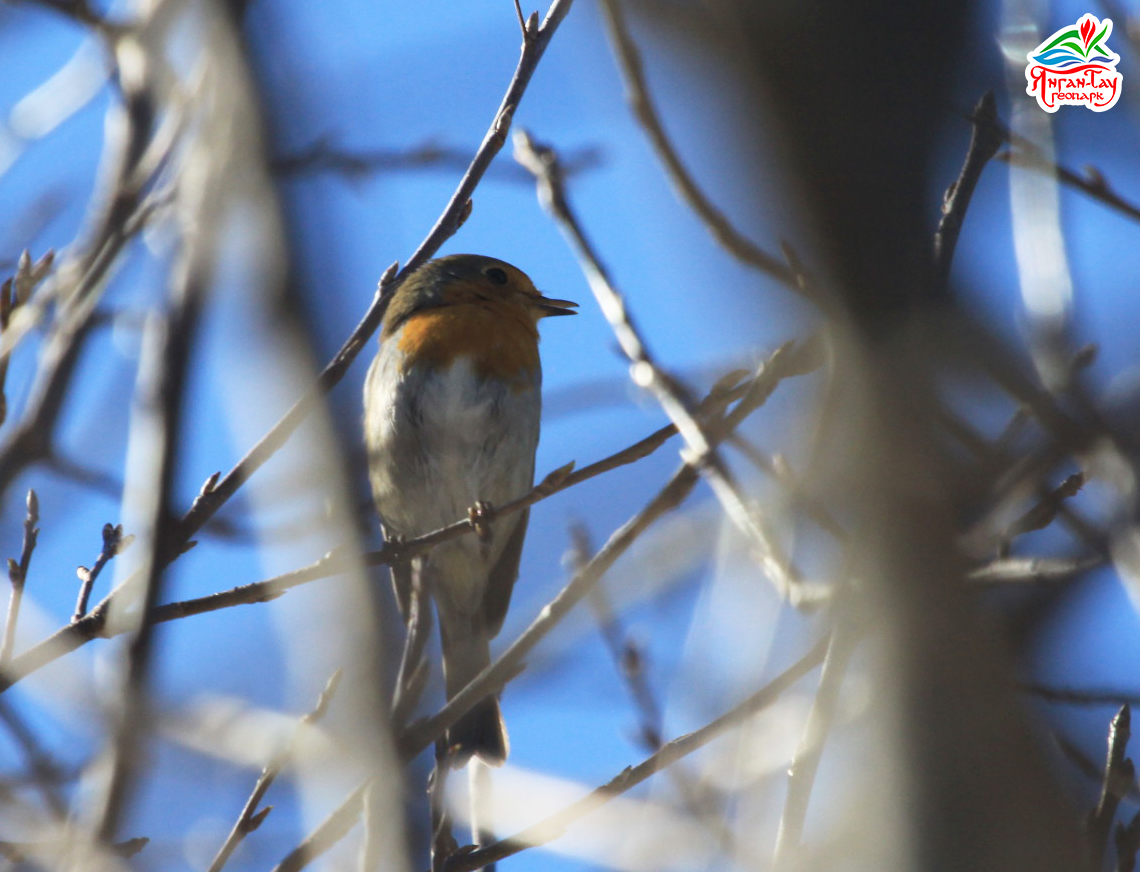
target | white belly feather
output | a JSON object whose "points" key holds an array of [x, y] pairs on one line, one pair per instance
{"points": [[440, 441]]}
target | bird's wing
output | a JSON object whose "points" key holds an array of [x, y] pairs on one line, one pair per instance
{"points": [[501, 579], [402, 586]]}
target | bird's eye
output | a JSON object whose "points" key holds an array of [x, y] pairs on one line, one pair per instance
{"points": [[497, 275]]}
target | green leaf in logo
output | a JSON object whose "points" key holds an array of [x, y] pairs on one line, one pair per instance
{"points": [[1096, 39], [1061, 37]]}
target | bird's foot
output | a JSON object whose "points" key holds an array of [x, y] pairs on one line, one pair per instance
{"points": [[479, 517]]}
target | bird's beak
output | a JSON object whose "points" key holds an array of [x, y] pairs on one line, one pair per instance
{"points": [[549, 306]]}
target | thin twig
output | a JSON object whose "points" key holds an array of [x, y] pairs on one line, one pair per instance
{"points": [[344, 817], [1091, 770], [625, 653], [1033, 570], [1008, 470], [113, 543], [56, 852], [778, 470], [1090, 697], [522, 20], [250, 817], [984, 144], [555, 825], [421, 734], [801, 775], [1117, 768], [14, 292], [1041, 515], [480, 800], [161, 392], [630, 662], [77, 285], [456, 211], [1095, 185], [443, 844], [637, 93], [212, 499], [644, 371], [5, 314], [372, 854], [323, 156], [1092, 182], [330, 831], [18, 575], [412, 674], [787, 361]]}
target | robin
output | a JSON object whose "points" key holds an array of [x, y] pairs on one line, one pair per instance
{"points": [[452, 404]]}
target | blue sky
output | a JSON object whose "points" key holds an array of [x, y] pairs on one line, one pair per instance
{"points": [[365, 75]]}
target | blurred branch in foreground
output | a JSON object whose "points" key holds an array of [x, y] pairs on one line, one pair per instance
{"points": [[324, 156], [931, 490]]}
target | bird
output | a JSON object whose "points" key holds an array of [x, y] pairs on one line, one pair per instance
{"points": [[452, 403]]}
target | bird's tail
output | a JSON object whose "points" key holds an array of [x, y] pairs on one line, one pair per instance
{"points": [[481, 732]]}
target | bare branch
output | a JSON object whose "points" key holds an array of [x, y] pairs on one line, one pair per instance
{"points": [[325, 157], [532, 51], [637, 92], [330, 831], [787, 361], [14, 293], [1117, 768], [522, 21], [422, 733], [801, 775], [1091, 183], [555, 825], [113, 543], [413, 671], [1033, 570], [443, 844], [250, 818], [344, 817], [18, 574], [16, 453], [457, 208], [625, 653], [162, 378], [630, 661], [984, 143], [543, 162], [77, 286], [21, 852], [1042, 514]]}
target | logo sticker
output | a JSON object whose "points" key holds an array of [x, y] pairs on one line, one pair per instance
{"points": [[1075, 67]]}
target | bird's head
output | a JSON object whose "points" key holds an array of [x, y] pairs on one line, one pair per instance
{"points": [[472, 280]]}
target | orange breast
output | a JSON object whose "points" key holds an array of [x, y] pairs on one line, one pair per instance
{"points": [[499, 342]]}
